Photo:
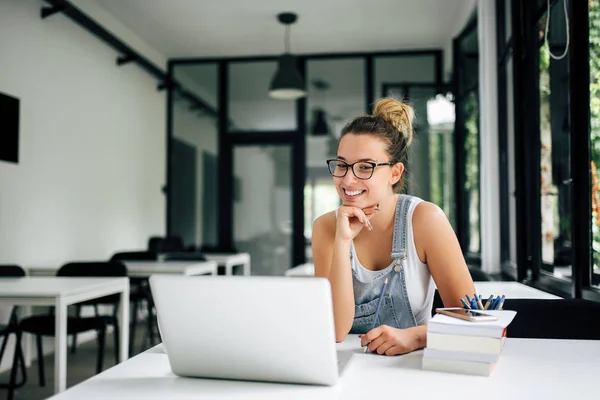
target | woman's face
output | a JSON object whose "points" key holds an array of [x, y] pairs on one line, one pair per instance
{"points": [[364, 193]]}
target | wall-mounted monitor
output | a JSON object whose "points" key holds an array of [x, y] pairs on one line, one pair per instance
{"points": [[9, 128]]}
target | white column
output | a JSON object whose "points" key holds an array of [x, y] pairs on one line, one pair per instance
{"points": [[489, 176]]}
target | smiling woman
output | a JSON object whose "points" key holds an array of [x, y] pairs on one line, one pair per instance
{"points": [[399, 239]]}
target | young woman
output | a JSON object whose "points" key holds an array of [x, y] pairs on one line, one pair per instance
{"points": [[378, 237]]}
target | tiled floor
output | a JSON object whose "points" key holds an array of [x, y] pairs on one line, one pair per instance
{"points": [[80, 366]]}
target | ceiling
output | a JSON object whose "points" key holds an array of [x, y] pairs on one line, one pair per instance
{"points": [[197, 28]]}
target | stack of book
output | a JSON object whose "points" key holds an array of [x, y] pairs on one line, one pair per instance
{"points": [[464, 347]]}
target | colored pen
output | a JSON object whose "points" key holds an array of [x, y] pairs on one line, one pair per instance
{"points": [[378, 308], [474, 304], [479, 304], [501, 302], [488, 302], [495, 303], [465, 304]]}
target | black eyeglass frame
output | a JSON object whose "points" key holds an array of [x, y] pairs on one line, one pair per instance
{"points": [[351, 166]]}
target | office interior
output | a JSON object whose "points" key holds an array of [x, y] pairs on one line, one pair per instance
{"points": [[141, 119]]}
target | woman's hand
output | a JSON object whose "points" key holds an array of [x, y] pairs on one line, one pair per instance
{"points": [[393, 341], [351, 220]]}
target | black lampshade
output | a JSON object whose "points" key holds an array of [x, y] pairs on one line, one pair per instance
{"points": [[319, 126], [287, 84]]}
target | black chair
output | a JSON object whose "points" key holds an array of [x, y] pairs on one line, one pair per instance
{"points": [[437, 302], [554, 319], [99, 269], [185, 256], [43, 325], [12, 327], [139, 292], [166, 244]]}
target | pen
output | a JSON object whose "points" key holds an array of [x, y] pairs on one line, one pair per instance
{"points": [[479, 304], [488, 302], [501, 302], [495, 303], [474, 304], [465, 304], [377, 309]]}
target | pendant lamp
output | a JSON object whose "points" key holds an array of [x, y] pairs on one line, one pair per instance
{"points": [[287, 83]]}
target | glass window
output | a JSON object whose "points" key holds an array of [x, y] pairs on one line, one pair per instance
{"points": [[510, 133], [402, 69], [440, 116], [556, 192], [336, 94], [263, 207], [193, 181], [594, 32], [250, 107], [471, 110]]}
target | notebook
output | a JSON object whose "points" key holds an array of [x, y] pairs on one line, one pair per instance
{"points": [[448, 325]]}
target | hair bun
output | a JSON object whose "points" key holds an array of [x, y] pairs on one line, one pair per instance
{"points": [[397, 114]]}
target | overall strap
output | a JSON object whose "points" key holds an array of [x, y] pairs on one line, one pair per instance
{"points": [[399, 252]]}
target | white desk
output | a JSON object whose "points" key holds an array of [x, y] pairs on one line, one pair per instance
{"points": [[528, 369], [231, 260], [60, 293], [304, 270], [144, 269], [512, 290]]}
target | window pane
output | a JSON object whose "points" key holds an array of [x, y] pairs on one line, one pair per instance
{"points": [[440, 116], [471, 106], [250, 107], [594, 19], [263, 207], [396, 70], [193, 180], [555, 161], [336, 94]]}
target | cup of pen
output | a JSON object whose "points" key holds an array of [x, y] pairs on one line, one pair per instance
{"points": [[478, 303]]}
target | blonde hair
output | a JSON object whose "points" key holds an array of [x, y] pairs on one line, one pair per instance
{"points": [[391, 122], [399, 115]]}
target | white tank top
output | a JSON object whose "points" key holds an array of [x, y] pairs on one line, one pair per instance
{"points": [[419, 284]]}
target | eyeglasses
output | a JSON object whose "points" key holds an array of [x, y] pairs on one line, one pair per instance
{"points": [[361, 169]]}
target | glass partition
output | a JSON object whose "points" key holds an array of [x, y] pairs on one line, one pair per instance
{"points": [[262, 207], [336, 94], [193, 172], [250, 107]]}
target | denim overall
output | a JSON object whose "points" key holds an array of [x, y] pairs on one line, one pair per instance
{"points": [[395, 310]]}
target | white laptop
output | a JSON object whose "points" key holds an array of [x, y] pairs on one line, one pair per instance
{"points": [[273, 329]]}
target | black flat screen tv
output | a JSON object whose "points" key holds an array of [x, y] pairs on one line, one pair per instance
{"points": [[9, 128]]}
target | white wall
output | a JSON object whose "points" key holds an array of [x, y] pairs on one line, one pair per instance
{"points": [[92, 144]]}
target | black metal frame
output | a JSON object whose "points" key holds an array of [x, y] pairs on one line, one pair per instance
{"points": [[525, 45], [127, 53], [296, 138], [462, 209]]}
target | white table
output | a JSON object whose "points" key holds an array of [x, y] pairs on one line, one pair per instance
{"points": [[528, 369], [304, 270], [60, 293], [231, 260], [144, 269], [512, 290]]}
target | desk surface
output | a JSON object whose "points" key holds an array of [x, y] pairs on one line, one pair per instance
{"points": [[34, 286], [512, 290], [528, 369], [144, 269]]}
